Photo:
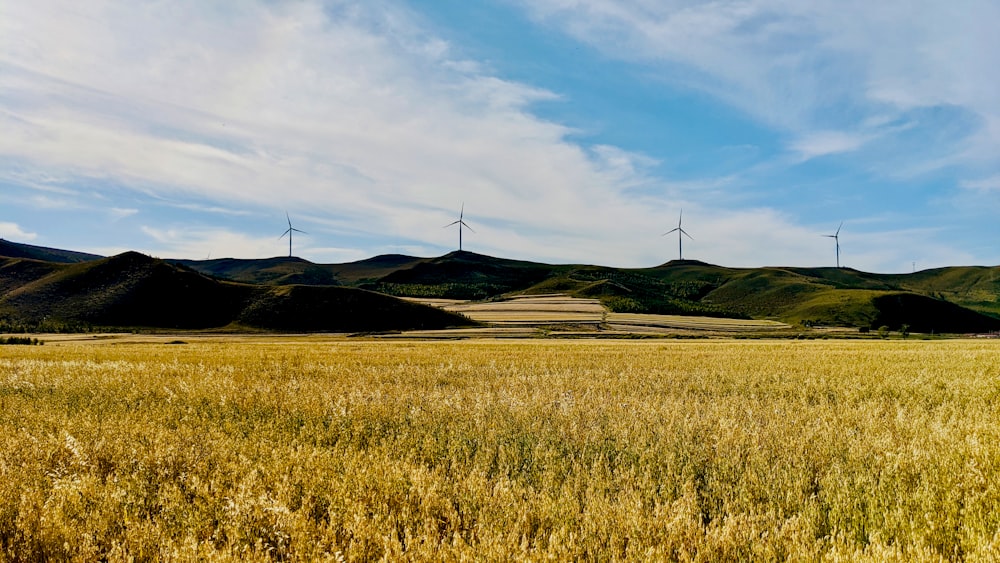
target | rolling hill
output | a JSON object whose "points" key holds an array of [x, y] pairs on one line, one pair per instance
{"points": [[20, 250], [273, 292], [266, 271], [134, 290]]}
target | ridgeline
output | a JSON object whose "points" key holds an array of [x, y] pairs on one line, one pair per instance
{"points": [[41, 285]]}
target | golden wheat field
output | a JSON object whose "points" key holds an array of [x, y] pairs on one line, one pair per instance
{"points": [[324, 449]]}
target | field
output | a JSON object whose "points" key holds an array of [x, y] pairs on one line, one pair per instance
{"points": [[529, 314], [325, 449]]}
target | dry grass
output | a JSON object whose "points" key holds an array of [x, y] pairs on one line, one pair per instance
{"points": [[626, 320], [541, 310], [313, 449], [528, 310]]}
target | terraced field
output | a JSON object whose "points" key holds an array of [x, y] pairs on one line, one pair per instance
{"points": [[545, 311], [629, 321]]}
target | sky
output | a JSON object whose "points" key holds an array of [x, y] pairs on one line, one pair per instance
{"points": [[569, 131]]}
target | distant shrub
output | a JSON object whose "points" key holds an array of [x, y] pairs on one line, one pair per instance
{"points": [[15, 325], [21, 340], [883, 331], [623, 305]]}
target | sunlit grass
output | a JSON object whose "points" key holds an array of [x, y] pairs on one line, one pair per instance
{"points": [[501, 451]]}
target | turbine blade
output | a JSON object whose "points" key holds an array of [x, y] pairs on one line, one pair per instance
{"points": [[450, 224], [670, 231], [685, 233], [840, 227]]}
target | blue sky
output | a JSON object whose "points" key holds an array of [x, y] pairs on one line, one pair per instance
{"points": [[572, 130]]}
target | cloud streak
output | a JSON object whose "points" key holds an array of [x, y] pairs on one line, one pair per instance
{"points": [[804, 66]]}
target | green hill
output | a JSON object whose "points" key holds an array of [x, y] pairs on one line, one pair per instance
{"points": [[974, 287], [959, 299], [15, 272], [20, 250], [283, 270], [371, 269], [134, 290], [340, 309], [464, 275], [952, 300], [267, 271]]}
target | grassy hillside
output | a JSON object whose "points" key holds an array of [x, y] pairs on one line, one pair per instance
{"points": [[268, 271], [838, 297], [128, 290], [464, 275], [960, 299], [974, 287], [133, 290], [20, 250], [283, 270], [372, 269], [340, 309], [16, 272]]}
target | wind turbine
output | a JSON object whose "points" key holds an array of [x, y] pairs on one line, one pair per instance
{"points": [[289, 232], [680, 239], [460, 224], [836, 238]]}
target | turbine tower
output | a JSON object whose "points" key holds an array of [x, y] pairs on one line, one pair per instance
{"points": [[836, 238], [680, 238], [461, 223], [289, 232]]}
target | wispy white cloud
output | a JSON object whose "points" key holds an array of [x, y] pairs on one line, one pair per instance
{"points": [[988, 184], [199, 243], [215, 209], [807, 67], [823, 143], [13, 231], [118, 213]]}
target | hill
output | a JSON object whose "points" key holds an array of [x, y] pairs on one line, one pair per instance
{"points": [[944, 300], [464, 275], [20, 250], [15, 272], [958, 299], [283, 270], [134, 290], [280, 270], [829, 297]]}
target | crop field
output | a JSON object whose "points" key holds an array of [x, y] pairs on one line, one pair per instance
{"points": [[546, 310], [521, 450], [528, 310], [625, 321]]}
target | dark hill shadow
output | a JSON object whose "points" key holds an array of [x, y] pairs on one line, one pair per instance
{"points": [[134, 290]]}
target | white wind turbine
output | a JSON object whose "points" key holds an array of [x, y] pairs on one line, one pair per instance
{"points": [[461, 223], [289, 232], [836, 238], [681, 233]]}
